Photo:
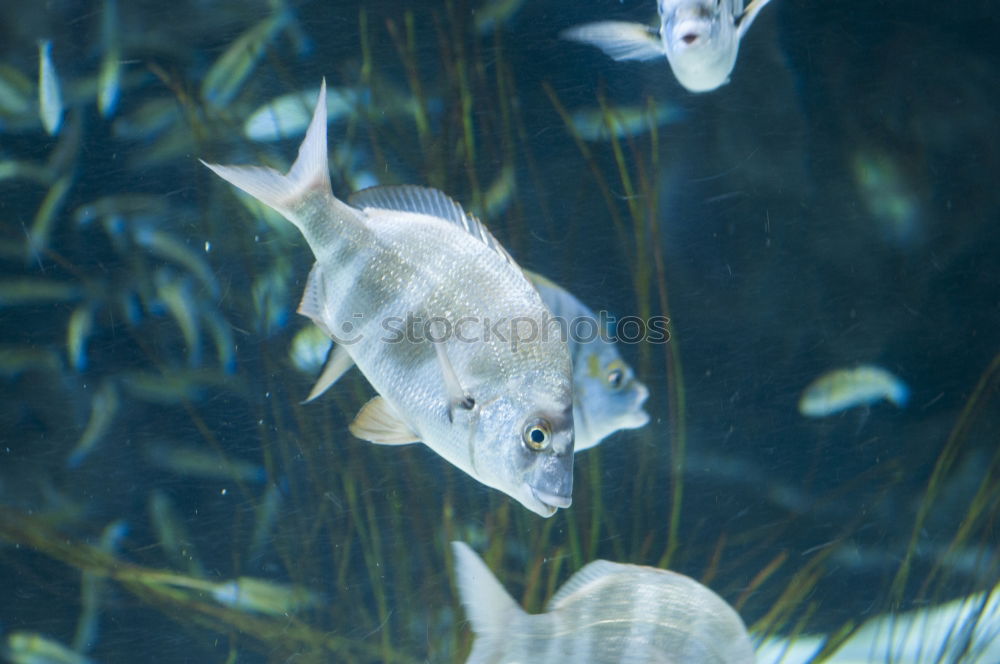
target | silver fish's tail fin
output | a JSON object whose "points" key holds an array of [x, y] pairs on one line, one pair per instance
{"points": [[487, 605], [309, 174]]}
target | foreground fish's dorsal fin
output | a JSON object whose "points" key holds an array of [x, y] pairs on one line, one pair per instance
{"points": [[748, 15], [487, 605], [310, 172], [339, 363], [458, 398], [429, 201], [620, 40], [378, 422], [589, 574]]}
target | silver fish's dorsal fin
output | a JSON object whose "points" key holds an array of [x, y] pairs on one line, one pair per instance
{"points": [[432, 202], [748, 15], [620, 40], [589, 574], [410, 198], [378, 422], [487, 605], [339, 363], [310, 172]]}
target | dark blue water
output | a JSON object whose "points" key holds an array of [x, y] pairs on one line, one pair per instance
{"points": [[832, 205]]}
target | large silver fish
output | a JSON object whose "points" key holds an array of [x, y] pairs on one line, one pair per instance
{"points": [[607, 613], [606, 394], [700, 38], [501, 411]]}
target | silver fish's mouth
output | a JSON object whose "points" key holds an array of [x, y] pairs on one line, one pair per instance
{"points": [[637, 419], [550, 499], [690, 33]]}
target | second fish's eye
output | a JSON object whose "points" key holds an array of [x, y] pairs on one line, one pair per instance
{"points": [[537, 434], [616, 378]]}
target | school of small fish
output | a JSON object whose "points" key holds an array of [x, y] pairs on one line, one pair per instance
{"points": [[511, 413]]}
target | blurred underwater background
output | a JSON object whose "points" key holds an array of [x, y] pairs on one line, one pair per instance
{"points": [[164, 491]]}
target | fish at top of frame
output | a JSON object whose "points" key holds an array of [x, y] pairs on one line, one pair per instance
{"points": [[699, 38], [498, 408]]}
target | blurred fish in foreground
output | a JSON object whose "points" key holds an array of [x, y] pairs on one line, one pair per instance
{"points": [[33, 648], [700, 38], [606, 394], [288, 116], [888, 194], [605, 613], [224, 79], [492, 13], [197, 462], [109, 78], [500, 412], [841, 389], [50, 103], [91, 589], [965, 630], [597, 124]]}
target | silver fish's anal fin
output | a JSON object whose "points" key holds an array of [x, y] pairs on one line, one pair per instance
{"points": [[429, 201], [310, 172], [620, 40], [339, 363], [589, 574], [458, 398], [378, 422], [487, 605], [749, 14]]}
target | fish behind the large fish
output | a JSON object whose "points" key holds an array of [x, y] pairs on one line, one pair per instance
{"points": [[607, 613], [495, 406], [700, 38], [606, 394]]}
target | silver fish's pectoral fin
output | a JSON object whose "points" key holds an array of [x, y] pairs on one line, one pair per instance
{"points": [[749, 14], [339, 363], [314, 304], [378, 422], [620, 40], [458, 398], [310, 172]]}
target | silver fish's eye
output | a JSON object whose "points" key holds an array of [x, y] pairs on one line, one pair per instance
{"points": [[616, 378], [537, 434]]}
